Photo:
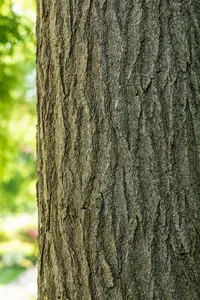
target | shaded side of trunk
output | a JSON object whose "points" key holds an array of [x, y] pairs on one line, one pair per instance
{"points": [[118, 149]]}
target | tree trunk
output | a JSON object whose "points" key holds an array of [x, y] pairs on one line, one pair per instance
{"points": [[118, 148]]}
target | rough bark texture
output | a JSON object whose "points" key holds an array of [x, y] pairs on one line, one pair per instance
{"points": [[118, 149]]}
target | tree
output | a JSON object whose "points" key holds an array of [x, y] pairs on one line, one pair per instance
{"points": [[17, 108], [118, 149]]}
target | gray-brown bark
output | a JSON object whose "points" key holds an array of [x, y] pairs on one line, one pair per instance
{"points": [[118, 149]]}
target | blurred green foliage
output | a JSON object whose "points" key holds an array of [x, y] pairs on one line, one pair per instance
{"points": [[18, 242], [8, 274], [17, 106]]}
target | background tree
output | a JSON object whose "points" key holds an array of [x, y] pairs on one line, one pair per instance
{"points": [[118, 149], [17, 107], [18, 246]]}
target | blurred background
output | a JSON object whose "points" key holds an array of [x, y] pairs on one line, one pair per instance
{"points": [[18, 217]]}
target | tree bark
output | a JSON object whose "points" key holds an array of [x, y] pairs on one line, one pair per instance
{"points": [[118, 147]]}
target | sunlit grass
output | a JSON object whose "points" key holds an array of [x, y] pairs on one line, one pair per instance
{"points": [[9, 274]]}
